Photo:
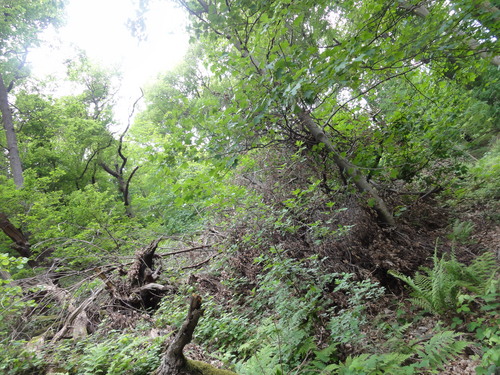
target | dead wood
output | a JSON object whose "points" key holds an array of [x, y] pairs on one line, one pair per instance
{"points": [[132, 292], [173, 361], [75, 323], [77, 320], [142, 270], [110, 285], [201, 247], [153, 287], [142, 289], [139, 290], [200, 263], [21, 243]]}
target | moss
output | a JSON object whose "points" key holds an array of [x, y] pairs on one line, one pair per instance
{"points": [[205, 369]]}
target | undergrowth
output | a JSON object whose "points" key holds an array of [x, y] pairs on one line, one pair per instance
{"points": [[300, 320], [449, 285], [467, 297]]}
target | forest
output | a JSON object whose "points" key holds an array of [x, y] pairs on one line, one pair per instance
{"points": [[313, 190]]}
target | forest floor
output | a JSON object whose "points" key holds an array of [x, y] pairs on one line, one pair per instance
{"points": [[231, 280], [462, 230]]}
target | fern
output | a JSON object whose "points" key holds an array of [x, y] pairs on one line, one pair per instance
{"points": [[121, 354], [437, 290], [439, 350], [396, 338], [373, 364], [265, 362], [478, 276], [431, 355]]}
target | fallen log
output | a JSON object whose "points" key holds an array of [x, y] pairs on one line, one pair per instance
{"points": [[76, 322]]}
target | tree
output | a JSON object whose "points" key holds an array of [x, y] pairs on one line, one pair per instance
{"points": [[19, 28], [119, 169], [484, 14], [100, 88], [59, 134], [10, 135], [313, 66]]}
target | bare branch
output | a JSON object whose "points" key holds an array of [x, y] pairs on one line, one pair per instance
{"points": [[200, 264], [185, 250]]}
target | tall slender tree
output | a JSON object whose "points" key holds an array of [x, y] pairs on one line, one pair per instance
{"points": [[16, 168], [20, 26]]}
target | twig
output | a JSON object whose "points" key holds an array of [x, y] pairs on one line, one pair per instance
{"points": [[201, 263]]}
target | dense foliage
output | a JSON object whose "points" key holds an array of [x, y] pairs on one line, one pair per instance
{"points": [[324, 174]]}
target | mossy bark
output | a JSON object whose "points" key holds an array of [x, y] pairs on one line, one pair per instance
{"points": [[203, 368]]}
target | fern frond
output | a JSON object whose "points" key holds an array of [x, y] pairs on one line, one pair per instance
{"points": [[424, 304], [406, 279], [444, 286], [399, 331], [482, 271], [423, 284], [440, 349], [437, 290], [386, 363]]}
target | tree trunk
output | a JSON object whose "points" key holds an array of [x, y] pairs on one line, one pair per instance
{"points": [[15, 160], [21, 243], [350, 169], [123, 184], [174, 362]]}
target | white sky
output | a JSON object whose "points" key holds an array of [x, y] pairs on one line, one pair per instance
{"points": [[98, 27]]}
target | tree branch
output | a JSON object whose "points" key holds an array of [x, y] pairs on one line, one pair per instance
{"points": [[185, 250]]}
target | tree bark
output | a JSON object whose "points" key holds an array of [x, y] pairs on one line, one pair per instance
{"points": [[174, 362], [14, 159], [21, 243], [142, 270]]}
